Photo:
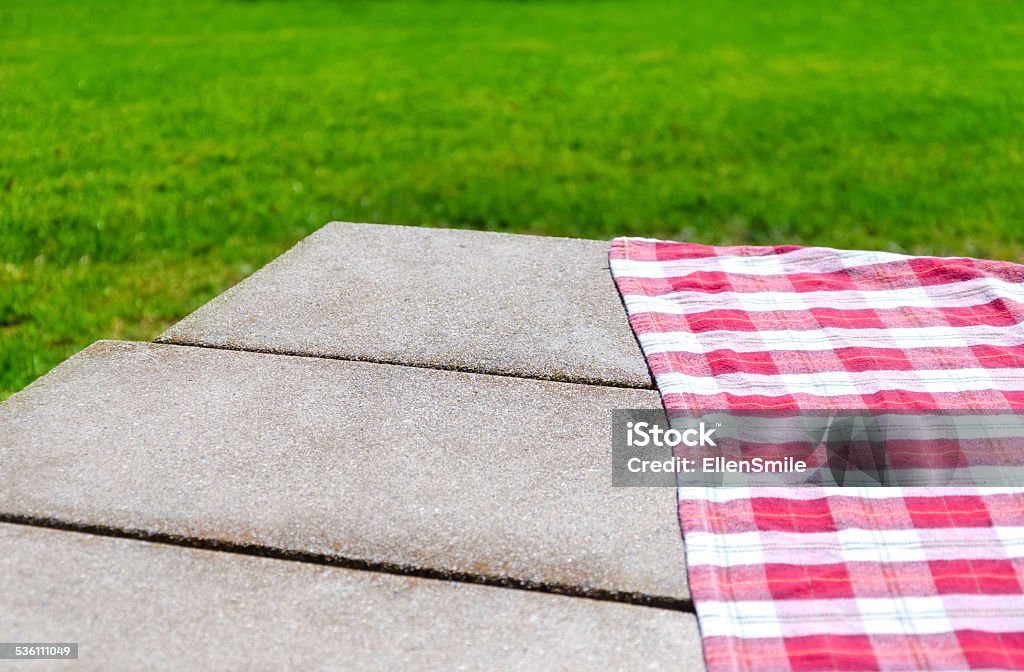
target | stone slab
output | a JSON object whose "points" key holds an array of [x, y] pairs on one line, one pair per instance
{"points": [[133, 605], [492, 476], [467, 300]]}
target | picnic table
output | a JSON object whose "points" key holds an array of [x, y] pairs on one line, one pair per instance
{"points": [[388, 448]]}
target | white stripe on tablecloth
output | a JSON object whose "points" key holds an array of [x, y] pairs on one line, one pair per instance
{"points": [[854, 545], [841, 383], [895, 615], [827, 338], [733, 494], [810, 261], [957, 294]]}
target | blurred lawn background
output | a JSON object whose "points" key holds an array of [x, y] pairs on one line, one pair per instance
{"points": [[154, 152]]}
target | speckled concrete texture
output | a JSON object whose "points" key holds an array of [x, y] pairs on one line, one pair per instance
{"points": [[133, 605], [467, 300], [488, 475]]}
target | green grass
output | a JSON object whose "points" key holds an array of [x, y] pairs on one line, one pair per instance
{"points": [[154, 152]]}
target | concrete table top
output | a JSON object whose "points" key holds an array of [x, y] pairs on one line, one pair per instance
{"points": [[136, 605], [498, 303], [494, 477]]}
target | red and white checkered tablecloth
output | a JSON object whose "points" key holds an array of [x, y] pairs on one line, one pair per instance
{"points": [[815, 578]]}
